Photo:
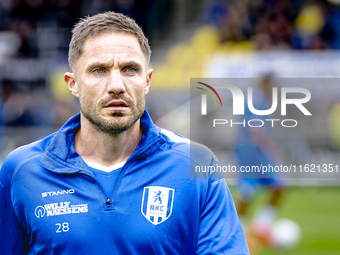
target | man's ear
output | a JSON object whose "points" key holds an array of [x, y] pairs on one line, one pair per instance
{"points": [[148, 81], [72, 84]]}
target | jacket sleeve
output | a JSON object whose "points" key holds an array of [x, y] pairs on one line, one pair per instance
{"points": [[220, 231], [14, 239]]}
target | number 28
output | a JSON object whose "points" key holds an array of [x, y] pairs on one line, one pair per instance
{"points": [[62, 227]]}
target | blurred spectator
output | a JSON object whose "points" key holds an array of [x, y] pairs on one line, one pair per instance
{"points": [[236, 26], [277, 24], [308, 27], [16, 106]]}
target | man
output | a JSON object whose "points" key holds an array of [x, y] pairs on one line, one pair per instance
{"points": [[110, 181], [256, 147]]}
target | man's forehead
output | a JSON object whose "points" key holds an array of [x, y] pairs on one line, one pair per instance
{"points": [[113, 41], [106, 44]]}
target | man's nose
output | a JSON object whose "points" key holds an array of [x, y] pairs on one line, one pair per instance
{"points": [[116, 83]]}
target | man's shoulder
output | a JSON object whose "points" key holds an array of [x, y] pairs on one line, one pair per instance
{"points": [[196, 151], [26, 152], [174, 139]]}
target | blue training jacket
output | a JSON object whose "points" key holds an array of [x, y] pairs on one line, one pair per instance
{"points": [[51, 203]]}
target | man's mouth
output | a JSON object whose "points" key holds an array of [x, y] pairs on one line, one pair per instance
{"points": [[117, 105]]}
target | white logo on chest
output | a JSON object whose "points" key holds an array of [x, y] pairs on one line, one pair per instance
{"points": [[61, 208], [57, 193], [157, 203]]}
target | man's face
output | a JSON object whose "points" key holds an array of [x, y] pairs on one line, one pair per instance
{"points": [[111, 81]]}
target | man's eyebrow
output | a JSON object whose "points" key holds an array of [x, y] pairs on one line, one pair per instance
{"points": [[123, 63], [132, 63], [95, 64]]}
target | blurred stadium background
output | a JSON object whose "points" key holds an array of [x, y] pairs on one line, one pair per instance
{"points": [[190, 39]]}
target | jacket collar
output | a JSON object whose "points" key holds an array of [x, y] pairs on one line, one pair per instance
{"points": [[59, 157]]}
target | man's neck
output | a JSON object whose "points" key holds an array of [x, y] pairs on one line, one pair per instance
{"points": [[106, 149]]}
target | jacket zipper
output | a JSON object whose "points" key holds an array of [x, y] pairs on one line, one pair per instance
{"points": [[89, 174], [108, 202]]}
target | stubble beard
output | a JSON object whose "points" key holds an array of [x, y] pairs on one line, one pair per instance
{"points": [[119, 121]]}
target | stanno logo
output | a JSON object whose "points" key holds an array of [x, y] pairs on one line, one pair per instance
{"points": [[59, 209], [157, 203], [57, 193]]}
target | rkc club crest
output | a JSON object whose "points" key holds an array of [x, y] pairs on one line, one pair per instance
{"points": [[157, 203]]}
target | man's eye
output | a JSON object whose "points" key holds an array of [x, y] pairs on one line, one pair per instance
{"points": [[130, 69], [99, 70]]}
